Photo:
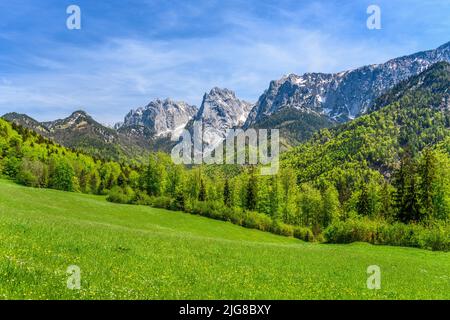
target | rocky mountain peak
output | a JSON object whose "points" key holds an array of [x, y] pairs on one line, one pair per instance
{"points": [[76, 120], [224, 104], [305, 93], [220, 110], [341, 96], [216, 91], [79, 113]]}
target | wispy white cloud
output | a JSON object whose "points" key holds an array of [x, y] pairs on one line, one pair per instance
{"points": [[111, 78], [118, 73]]}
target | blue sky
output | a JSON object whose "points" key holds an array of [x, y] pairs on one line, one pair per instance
{"points": [[130, 52]]}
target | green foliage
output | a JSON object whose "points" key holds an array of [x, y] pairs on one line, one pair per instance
{"points": [[436, 237], [202, 191], [295, 126], [33, 173], [11, 166], [142, 198], [303, 233], [227, 194], [27, 178], [283, 229], [309, 205], [152, 177], [397, 234], [162, 202], [121, 195], [35, 161], [330, 206], [61, 176], [252, 191], [256, 220], [428, 176]]}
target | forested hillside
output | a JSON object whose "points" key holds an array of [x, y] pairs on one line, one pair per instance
{"points": [[35, 161], [404, 141]]}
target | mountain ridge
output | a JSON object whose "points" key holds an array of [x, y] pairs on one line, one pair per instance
{"points": [[80, 131], [417, 115], [297, 105], [341, 96]]}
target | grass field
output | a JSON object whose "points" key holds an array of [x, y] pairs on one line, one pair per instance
{"points": [[134, 252]]}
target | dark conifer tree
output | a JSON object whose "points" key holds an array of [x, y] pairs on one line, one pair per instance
{"points": [[227, 194], [252, 191], [363, 204], [202, 191], [428, 176]]}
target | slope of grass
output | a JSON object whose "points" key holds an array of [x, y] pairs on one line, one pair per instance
{"points": [[134, 252]]}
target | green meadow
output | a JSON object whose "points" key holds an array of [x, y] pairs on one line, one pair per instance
{"points": [[137, 252]]}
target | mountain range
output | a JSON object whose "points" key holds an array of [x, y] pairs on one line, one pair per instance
{"points": [[297, 105], [415, 114], [80, 131]]}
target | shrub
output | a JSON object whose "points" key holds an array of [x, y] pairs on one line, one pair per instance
{"points": [[11, 166], [435, 238], [162, 202], [211, 209], [398, 234], [283, 229], [142, 198], [256, 220], [198, 207], [249, 219], [26, 178], [32, 173], [303, 233], [214, 209], [62, 176], [235, 215], [351, 230]]}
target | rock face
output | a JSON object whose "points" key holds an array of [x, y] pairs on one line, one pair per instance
{"points": [[158, 119], [80, 131], [220, 110], [27, 122], [341, 96], [304, 93], [435, 81]]}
